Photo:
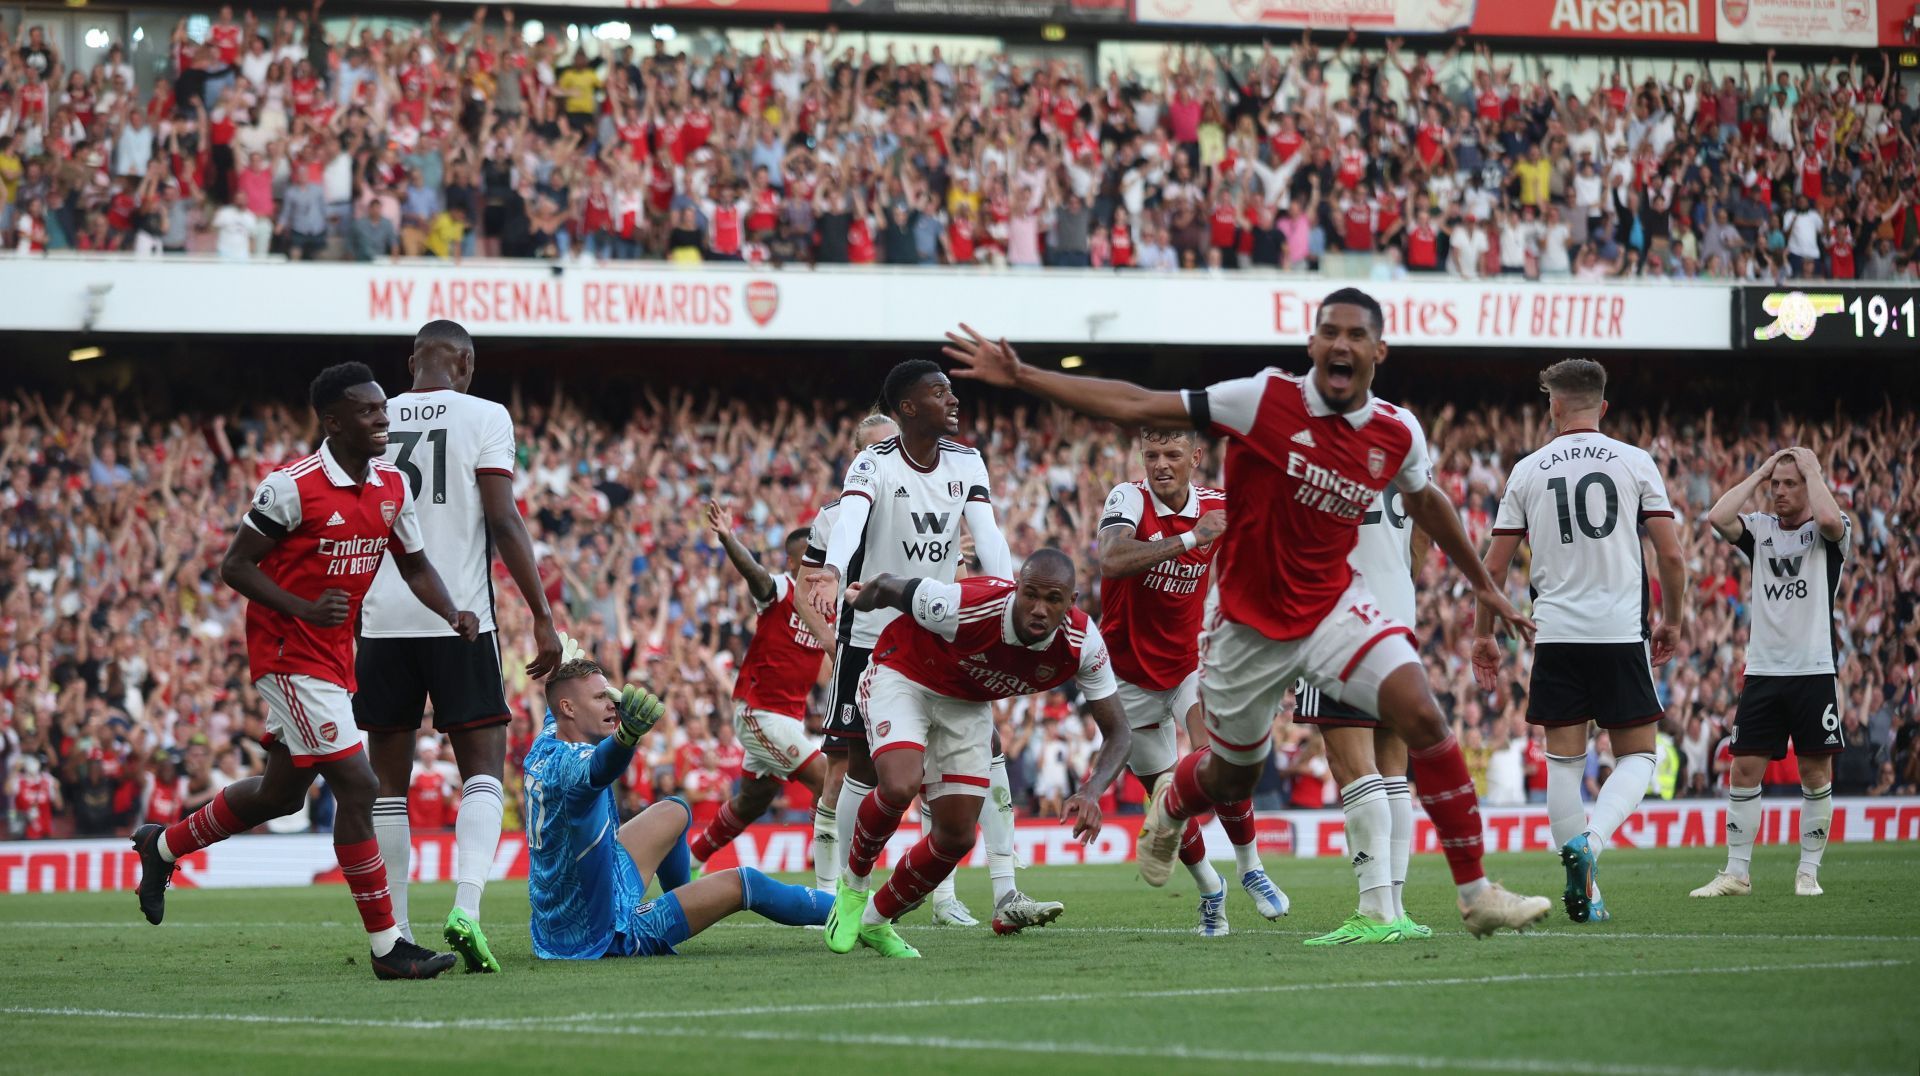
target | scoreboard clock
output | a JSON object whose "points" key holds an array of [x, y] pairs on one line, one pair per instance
{"points": [[1830, 316]]}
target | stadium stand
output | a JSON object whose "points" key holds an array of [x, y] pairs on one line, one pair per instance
{"points": [[122, 667], [508, 140]]}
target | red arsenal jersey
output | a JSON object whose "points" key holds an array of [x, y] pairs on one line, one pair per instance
{"points": [[783, 660], [1302, 477], [1151, 620], [332, 532], [960, 643]]}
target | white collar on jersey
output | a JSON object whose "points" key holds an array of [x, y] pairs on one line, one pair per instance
{"points": [[1008, 636], [1318, 407], [337, 474], [1191, 511]]}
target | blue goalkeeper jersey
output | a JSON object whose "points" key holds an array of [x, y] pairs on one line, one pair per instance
{"points": [[580, 878]]}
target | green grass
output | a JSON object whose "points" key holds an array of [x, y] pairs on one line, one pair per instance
{"points": [[1768, 983]]}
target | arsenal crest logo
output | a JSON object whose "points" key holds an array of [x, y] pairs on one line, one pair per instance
{"points": [[388, 510], [763, 301], [1044, 672], [882, 729], [327, 731], [1734, 11], [1376, 461]]}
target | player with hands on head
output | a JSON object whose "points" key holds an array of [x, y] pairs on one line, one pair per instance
{"points": [[1306, 456], [588, 893], [770, 691], [936, 671], [1580, 502], [304, 556], [1797, 548]]}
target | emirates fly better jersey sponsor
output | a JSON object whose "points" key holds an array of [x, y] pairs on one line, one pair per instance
{"points": [[1579, 500], [960, 643], [913, 520], [1303, 477], [1152, 619], [332, 533], [442, 441], [783, 659]]}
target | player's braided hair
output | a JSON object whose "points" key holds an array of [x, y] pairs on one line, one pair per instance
{"points": [[901, 380], [333, 382]]}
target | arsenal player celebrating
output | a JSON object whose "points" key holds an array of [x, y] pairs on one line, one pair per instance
{"points": [[1306, 457], [927, 696], [1157, 541], [770, 694], [303, 557]]}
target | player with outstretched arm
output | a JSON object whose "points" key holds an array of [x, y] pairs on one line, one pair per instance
{"points": [[1306, 457]]}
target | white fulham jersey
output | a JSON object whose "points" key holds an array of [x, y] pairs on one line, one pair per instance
{"points": [[1796, 574], [1384, 555], [913, 521], [443, 441], [1579, 501]]}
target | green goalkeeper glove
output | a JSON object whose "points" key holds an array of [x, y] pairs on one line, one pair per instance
{"points": [[639, 710]]}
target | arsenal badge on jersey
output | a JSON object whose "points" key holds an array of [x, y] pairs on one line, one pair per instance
{"points": [[763, 301], [883, 728], [1044, 672], [388, 510], [954, 489], [1376, 461]]}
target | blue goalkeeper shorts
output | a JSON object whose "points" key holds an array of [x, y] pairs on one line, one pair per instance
{"points": [[650, 929]]}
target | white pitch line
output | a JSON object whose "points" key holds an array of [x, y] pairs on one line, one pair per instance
{"points": [[980, 1046], [1531, 935]]}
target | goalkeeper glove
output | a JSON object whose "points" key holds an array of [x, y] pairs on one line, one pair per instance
{"points": [[639, 710]]}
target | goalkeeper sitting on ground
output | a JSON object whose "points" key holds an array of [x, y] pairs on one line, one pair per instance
{"points": [[589, 874]]}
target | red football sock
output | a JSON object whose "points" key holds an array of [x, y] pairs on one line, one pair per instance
{"points": [[1193, 847], [872, 829], [208, 825], [366, 876], [1237, 819], [926, 865], [1446, 791], [1186, 799], [719, 833]]}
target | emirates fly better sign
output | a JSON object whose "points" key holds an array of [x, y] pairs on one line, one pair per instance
{"points": [[537, 300]]}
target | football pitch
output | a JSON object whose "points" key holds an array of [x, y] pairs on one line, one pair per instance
{"points": [[277, 980]]}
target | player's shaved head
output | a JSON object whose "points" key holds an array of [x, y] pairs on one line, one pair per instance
{"points": [[873, 429], [1376, 317], [1049, 566], [442, 356]]}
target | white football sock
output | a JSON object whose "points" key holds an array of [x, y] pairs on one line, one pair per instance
{"points": [[826, 841], [383, 940], [943, 891], [870, 916], [1743, 825], [846, 818], [1246, 857], [1400, 845], [395, 835], [996, 826], [476, 837], [1816, 817], [1206, 877], [1619, 797], [1566, 815], [1369, 832]]}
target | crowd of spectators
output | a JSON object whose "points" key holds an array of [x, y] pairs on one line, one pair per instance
{"points": [[123, 686], [271, 136]]}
